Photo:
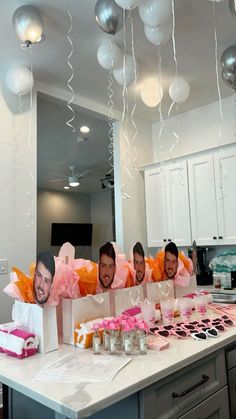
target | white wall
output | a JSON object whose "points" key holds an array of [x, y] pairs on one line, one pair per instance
{"points": [[101, 218], [18, 188], [197, 130], [130, 212], [61, 207]]}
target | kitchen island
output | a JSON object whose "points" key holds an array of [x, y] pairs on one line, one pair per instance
{"points": [[150, 386]]}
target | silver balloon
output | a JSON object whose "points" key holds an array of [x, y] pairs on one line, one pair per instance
{"points": [[28, 24], [228, 59], [109, 16], [232, 7], [229, 78]]}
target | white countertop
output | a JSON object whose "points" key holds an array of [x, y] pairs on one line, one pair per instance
{"points": [[79, 400]]}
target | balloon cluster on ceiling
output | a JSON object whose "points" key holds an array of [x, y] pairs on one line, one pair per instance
{"points": [[28, 25], [157, 18], [228, 58]]}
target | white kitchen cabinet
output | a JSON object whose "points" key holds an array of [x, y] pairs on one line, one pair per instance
{"points": [[212, 195], [156, 207], [225, 182], [202, 200], [167, 205]]}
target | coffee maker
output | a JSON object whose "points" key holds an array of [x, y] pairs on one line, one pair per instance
{"points": [[203, 273]]}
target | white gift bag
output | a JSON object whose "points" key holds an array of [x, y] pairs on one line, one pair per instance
{"points": [[127, 298], [41, 320], [83, 309], [181, 291], [162, 290]]}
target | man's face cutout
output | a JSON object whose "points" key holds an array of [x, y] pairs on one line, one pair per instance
{"points": [[139, 267], [42, 283], [170, 264], [107, 270]]}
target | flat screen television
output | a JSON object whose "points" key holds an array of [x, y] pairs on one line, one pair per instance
{"points": [[78, 234]]}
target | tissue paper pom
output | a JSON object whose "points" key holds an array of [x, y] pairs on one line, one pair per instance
{"points": [[25, 286], [87, 278]]}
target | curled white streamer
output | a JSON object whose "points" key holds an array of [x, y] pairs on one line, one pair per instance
{"points": [[124, 119], [133, 144], [110, 93], [162, 122], [174, 51], [31, 220], [217, 73], [223, 172], [70, 120], [173, 37]]}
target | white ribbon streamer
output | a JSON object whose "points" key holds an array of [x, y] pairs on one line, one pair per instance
{"points": [[69, 121]]}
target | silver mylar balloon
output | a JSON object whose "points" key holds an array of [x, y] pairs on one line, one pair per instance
{"points": [[232, 7], [229, 78], [28, 24], [109, 16], [228, 58]]}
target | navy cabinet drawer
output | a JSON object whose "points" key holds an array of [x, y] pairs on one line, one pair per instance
{"points": [[179, 392]]}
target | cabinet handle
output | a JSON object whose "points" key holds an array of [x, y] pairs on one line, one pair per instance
{"points": [[220, 237], [164, 240], [204, 379], [214, 238]]}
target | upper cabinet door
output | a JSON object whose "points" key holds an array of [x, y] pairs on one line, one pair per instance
{"points": [[178, 204], [156, 214], [203, 200], [225, 181]]}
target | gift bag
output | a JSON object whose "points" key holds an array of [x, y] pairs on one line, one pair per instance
{"points": [[127, 297], [181, 291], [40, 320], [83, 309], [157, 291]]}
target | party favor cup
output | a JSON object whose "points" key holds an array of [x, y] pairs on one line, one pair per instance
{"points": [[200, 304], [167, 311], [148, 312], [185, 308]]}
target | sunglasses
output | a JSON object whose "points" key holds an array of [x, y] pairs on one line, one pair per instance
{"points": [[179, 333], [225, 320], [159, 331], [198, 335]]}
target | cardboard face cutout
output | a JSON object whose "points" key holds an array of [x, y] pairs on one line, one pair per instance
{"points": [[139, 262], [43, 277], [106, 265]]}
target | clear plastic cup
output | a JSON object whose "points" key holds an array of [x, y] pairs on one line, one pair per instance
{"points": [[167, 311], [148, 312], [185, 308], [200, 304]]}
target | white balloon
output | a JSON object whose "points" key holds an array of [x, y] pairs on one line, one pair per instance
{"points": [[159, 35], [179, 90], [109, 55], [19, 80], [151, 91], [128, 4], [126, 73], [155, 12]]}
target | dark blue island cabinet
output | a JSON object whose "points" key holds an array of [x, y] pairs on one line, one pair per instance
{"points": [[198, 390]]}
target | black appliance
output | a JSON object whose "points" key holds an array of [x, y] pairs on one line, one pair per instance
{"points": [[203, 273]]}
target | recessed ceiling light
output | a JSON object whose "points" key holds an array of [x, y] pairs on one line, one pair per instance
{"points": [[66, 187], [84, 129]]}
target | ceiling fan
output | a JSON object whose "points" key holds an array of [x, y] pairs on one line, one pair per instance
{"points": [[73, 178]]}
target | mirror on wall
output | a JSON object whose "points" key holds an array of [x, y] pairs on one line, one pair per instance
{"points": [[75, 182]]}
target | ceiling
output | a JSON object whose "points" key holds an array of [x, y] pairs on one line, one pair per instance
{"points": [[195, 53]]}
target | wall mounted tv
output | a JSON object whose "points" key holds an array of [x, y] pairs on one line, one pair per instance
{"points": [[78, 234]]}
